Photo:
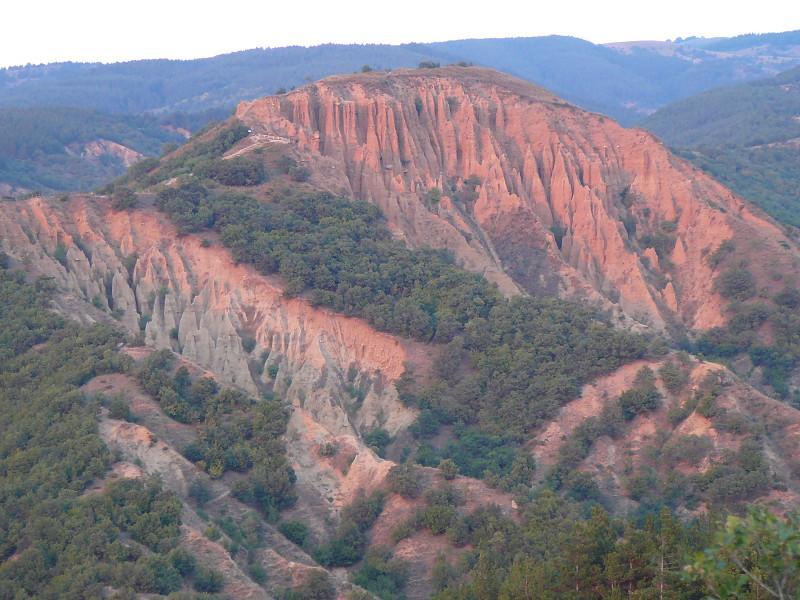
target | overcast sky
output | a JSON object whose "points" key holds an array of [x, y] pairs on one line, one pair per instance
{"points": [[37, 31]]}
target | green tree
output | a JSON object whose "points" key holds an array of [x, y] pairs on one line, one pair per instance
{"points": [[758, 556]]}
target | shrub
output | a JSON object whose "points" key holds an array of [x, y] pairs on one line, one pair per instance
{"points": [[123, 198], [294, 531], [248, 344], [183, 560], [118, 408], [378, 439], [208, 580], [448, 468], [736, 283], [60, 254], [406, 480], [257, 573], [199, 491], [673, 377], [155, 574], [317, 586]]}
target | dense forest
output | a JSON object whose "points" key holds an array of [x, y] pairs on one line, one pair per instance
{"points": [[42, 148], [745, 136], [56, 542]]}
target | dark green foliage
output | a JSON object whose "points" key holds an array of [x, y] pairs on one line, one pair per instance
{"points": [[317, 586], [378, 439], [184, 561], [559, 552], [208, 580], [238, 433], [723, 250], [340, 253], [673, 376], [638, 400], [788, 298], [448, 468], [118, 408], [236, 172], [66, 544], [123, 198], [406, 480], [347, 545], [512, 363], [527, 358], [248, 344], [60, 254], [660, 241], [199, 492], [742, 135], [382, 575], [41, 147], [642, 397], [295, 531], [736, 283], [202, 158]]}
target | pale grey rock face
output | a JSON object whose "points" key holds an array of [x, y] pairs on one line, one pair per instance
{"points": [[194, 301]]}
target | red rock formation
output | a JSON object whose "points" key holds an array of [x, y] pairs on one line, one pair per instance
{"points": [[544, 166]]}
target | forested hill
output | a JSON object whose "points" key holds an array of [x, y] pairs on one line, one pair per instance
{"points": [[622, 80], [747, 136], [72, 149]]}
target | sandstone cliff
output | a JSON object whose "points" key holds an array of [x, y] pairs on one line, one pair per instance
{"points": [[536, 194]]}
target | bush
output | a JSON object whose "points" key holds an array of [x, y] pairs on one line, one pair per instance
{"points": [[673, 377], [208, 580], [448, 468], [378, 440], [118, 408], [184, 561], [123, 198], [317, 586], [736, 283], [406, 480], [295, 531], [248, 344], [199, 491], [155, 574]]}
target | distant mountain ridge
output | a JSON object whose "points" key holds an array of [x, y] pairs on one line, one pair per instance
{"points": [[625, 80], [622, 80]]}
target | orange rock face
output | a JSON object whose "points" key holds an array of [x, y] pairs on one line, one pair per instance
{"points": [[555, 188]]}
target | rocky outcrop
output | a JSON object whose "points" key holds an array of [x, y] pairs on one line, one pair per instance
{"points": [[186, 294], [101, 150], [536, 194]]}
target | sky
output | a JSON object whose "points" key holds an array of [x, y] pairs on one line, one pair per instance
{"points": [[37, 31]]}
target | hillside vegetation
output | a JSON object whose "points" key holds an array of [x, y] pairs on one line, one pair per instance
{"points": [[42, 147], [747, 136]]}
